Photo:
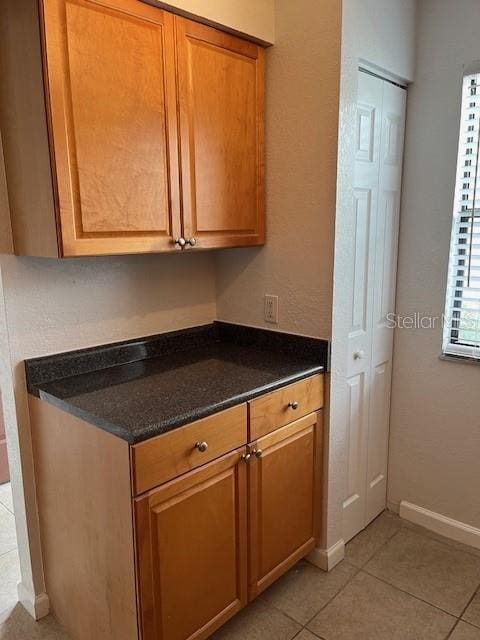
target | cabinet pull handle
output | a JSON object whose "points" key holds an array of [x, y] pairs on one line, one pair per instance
{"points": [[293, 404], [192, 242], [180, 242], [247, 457], [201, 446], [258, 453]]}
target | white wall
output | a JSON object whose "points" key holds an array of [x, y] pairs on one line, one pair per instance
{"points": [[385, 35], [435, 422], [301, 142], [255, 18], [380, 32]]}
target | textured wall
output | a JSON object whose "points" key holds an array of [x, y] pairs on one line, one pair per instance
{"points": [[56, 305], [385, 35], [301, 141], [435, 420], [255, 18]]}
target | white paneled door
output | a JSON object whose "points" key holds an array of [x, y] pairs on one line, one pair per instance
{"points": [[374, 241]]}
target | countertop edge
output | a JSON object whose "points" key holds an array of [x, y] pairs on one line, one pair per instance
{"points": [[154, 430]]}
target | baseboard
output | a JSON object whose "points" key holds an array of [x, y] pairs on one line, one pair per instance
{"points": [[37, 606], [453, 529], [394, 507], [327, 559]]}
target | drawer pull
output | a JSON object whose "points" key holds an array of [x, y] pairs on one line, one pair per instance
{"points": [[201, 446], [247, 457], [293, 405], [258, 453]]}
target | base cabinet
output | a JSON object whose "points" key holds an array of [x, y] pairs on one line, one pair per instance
{"points": [[220, 509], [240, 521], [192, 551], [282, 493]]}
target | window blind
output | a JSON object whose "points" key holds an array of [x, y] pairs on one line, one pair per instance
{"points": [[462, 309]]}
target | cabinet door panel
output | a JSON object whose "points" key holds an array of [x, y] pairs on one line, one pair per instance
{"points": [[111, 84], [191, 545], [221, 97], [283, 494]]}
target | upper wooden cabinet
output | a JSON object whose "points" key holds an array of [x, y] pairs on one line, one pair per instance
{"points": [[154, 134], [220, 90]]}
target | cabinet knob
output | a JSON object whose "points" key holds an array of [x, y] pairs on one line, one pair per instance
{"points": [[181, 242], [258, 453], [293, 405], [192, 242], [358, 355], [247, 457], [201, 446]]}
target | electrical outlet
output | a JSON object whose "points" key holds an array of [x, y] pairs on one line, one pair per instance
{"points": [[271, 309]]}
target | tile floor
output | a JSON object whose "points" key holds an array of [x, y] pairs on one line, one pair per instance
{"points": [[397, 582], [9, 564]]}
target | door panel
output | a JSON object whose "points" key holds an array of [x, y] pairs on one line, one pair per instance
{"points": [[365, 203], [111, 81], [191, 547], [221, 112], [375, 223], [282, 496], [386, 253], [357, 430]]}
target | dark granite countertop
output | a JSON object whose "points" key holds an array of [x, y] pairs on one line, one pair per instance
{"points": [[143, 388]]}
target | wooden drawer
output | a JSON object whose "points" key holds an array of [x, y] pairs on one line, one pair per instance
{"points": [[274, 410], [160, 459]]}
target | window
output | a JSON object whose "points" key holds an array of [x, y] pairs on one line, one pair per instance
{"points": [[462, 308]]}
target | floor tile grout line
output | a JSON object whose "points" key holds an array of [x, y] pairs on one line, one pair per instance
{"points": [[5, 553], [450, 633], [270, 604], [379, 548], [461, 619], [372, 575], [7, 507], [437, 537], [357, 571]]}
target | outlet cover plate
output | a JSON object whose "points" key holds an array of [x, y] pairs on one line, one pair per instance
{"points": [[271, 309]]}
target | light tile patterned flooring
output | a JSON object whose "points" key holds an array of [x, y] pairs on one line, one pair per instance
{"points": [[398, 582], [9, 564]]}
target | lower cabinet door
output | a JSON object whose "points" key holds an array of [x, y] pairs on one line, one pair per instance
{"points": [[284, 499], [191, 537]]}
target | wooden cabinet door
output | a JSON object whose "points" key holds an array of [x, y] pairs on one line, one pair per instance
{"points": [[110, 83], [221, 96], [191, 551], [284, 499]]}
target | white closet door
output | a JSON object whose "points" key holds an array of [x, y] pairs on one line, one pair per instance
{"points": [[373, 257], [362, 238], [384, 285]]}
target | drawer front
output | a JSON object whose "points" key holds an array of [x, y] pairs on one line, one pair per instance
{"points": [[278, 408], [160, 459]]}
